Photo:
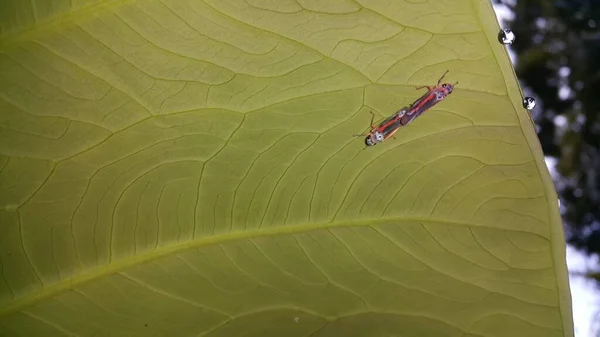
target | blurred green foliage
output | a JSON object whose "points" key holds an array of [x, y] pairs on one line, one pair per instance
{"points": [[558, 62]]}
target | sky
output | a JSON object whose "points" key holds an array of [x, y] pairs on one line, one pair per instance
{"points": [[585, 293]]}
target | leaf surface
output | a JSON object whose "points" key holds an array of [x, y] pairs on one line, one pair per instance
{"points": [[187, 168]]}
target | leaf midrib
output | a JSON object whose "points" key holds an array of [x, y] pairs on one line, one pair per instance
{"points": [[119, 265]]}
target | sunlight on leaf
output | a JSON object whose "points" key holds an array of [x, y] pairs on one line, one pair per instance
{"points": [[187, 168]]}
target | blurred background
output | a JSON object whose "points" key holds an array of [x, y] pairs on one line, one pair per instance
{"points": [[556, 55]]}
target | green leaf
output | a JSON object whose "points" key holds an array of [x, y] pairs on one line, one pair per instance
{"points": [[187, 168]]}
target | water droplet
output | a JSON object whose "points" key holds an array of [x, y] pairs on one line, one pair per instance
{"points": [[506, 36], [528, 103]]}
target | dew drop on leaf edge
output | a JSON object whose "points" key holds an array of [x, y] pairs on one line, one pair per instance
{"points": [[506, 36], [528, 103]]}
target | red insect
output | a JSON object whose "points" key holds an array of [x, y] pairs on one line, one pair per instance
{"points": [[385, 129], [404, 116]]}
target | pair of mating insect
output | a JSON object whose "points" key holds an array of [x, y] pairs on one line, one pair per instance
{"points": [[402, 117]]}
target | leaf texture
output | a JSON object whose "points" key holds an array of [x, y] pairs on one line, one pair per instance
{"points": [[187, 168]]}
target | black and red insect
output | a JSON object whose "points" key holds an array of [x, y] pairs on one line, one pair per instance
{"points": [[404, 116]]}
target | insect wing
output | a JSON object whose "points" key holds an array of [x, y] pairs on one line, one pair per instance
{"points": [[387, 122], [389, 134], [391, 127], [424, 103]]}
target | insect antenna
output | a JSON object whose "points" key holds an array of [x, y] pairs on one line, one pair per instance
{"points": [[444, 75]]}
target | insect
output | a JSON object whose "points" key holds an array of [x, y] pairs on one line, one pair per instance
{"points": [[404, 116], [385, 129]]}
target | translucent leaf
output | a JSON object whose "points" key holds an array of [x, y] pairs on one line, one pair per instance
{"points": [[187, 168]]}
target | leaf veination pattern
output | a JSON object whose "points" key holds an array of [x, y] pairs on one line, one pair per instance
{"points": [[175, 167]]}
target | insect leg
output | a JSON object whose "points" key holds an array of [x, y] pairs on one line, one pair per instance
{"points": [[441, 78], [372, 119], [371, 124]]}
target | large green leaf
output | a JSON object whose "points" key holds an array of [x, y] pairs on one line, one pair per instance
{"points": [[187, 168]]}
